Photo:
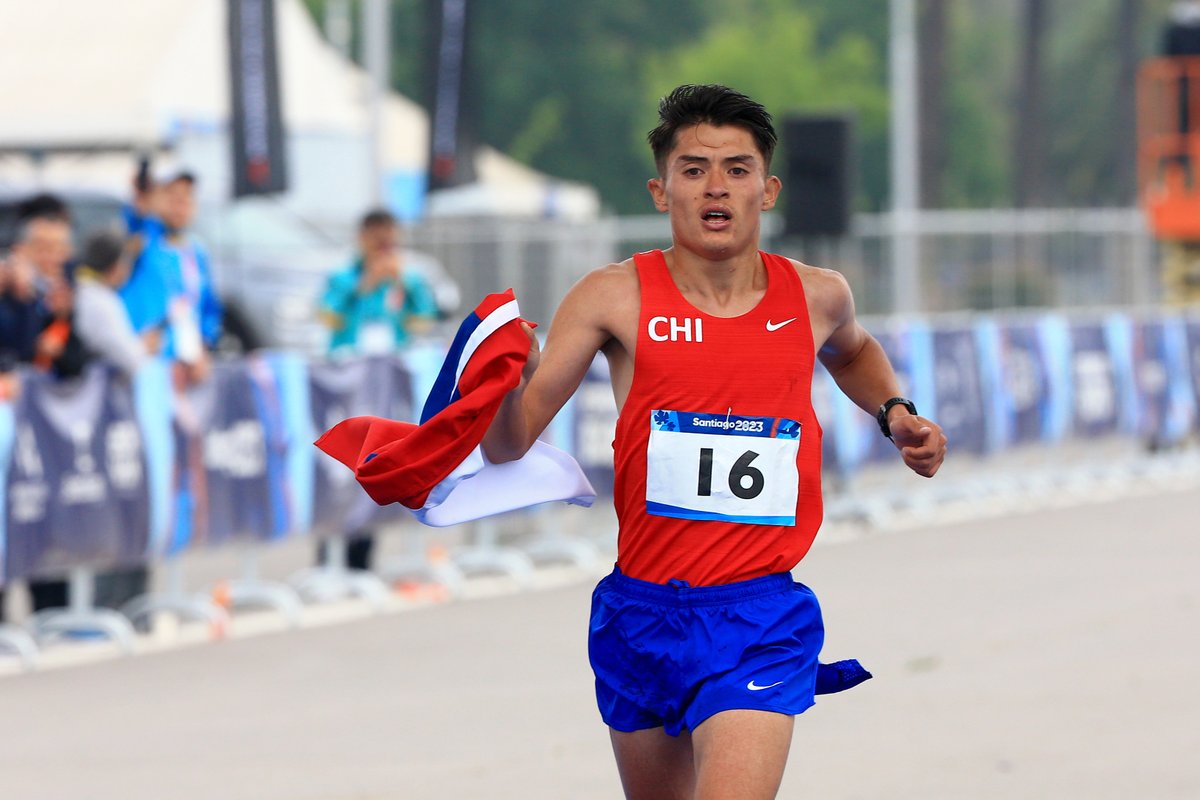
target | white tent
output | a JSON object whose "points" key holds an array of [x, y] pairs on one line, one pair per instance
{"points": [[105, 78]]}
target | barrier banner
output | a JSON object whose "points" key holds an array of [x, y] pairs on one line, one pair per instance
{"points": [[957, 387], [222, 472], [595, 427], [1192, 343], [1100, 378], [376, 386], [1024, 387], [75, 485], [824, 396], [1165, 398], [909, 349]]}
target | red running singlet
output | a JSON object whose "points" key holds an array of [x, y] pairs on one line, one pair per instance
{"points": [[718, 450]]}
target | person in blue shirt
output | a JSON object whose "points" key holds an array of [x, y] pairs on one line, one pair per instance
{"points": [[373, 305], [171, 286]]}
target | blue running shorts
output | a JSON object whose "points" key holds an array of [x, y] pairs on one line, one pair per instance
{"points": [[672, 655]]}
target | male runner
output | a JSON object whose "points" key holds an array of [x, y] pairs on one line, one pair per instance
{"points": [[703, 647]]}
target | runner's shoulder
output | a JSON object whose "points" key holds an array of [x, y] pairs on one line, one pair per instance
{"points": [[615, 283], [825, 289]]}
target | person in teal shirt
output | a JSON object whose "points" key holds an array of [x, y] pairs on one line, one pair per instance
{"points": [[374, 304]]}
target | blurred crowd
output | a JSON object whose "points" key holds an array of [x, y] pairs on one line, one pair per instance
{"points": [[142, 287], [120, 296]]}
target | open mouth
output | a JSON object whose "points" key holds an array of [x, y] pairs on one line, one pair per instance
{"points": [[716, 216]]}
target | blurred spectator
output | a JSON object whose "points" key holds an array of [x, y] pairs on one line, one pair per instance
{"points": [[21, 311], [104, 327], [101, 320], [170, 286], [370, 307], [36, 320], [373, 304], [38, 299]]}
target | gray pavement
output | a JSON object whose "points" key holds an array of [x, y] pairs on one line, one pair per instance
{"points": [[1043, 655]]}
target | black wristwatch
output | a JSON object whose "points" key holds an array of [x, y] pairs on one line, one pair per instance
{"points": [[882, 417]]}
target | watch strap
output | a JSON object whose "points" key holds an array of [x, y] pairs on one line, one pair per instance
{"points": [[882, 416]]}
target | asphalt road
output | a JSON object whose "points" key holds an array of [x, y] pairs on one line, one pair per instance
{"points": [[1044, 655]]}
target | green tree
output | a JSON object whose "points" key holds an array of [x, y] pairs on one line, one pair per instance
{"points": [[558, 85], [776, 57]]}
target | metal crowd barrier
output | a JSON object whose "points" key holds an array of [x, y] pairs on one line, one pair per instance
{"points": [[100, 473]]}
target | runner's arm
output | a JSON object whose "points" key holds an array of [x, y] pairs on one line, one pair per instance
{"points": [[860, 367], [577, 333]]}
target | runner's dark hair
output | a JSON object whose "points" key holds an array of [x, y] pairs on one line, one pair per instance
{"points": [[694, 104]]}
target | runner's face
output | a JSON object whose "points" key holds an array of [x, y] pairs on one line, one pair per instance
{"points": [[715, 187]]}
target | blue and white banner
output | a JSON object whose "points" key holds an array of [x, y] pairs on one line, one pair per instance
{"points": [[376, 386], [1102, 387], [75, 484], [1165, 400], [229, 480], [957, 359], [595, 415], [1019, 389], [909, 348], [1192, 345]]}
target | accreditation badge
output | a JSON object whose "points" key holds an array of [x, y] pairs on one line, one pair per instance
{"points": [[722, 467]]}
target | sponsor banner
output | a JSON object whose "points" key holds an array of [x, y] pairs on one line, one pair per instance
{"points": [[1103, 397], [153, 398], [1192, 357], [224, 475], [957, 381], [1165, 400], [289, 372], [824, 398], [75, 486], [256, 119], [376, 386], [1019, 382], [595, 417], [908, 346], [910, 349]]}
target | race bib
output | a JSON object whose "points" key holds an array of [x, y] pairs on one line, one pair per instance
{"points": [[722, 467]]}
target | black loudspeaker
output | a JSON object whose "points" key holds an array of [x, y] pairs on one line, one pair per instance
{"points": [[818, 176]]}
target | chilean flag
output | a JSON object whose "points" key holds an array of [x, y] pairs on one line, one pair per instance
{"points": [[437, 469]]}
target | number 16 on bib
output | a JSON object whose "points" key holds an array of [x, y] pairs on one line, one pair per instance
{"points": [[722, 467]]}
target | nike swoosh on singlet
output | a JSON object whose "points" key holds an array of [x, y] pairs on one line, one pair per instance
{"points": [[774, 326], [754, 687]]}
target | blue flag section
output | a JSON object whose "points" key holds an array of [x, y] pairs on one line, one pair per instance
{"points": [[75, 484]]}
